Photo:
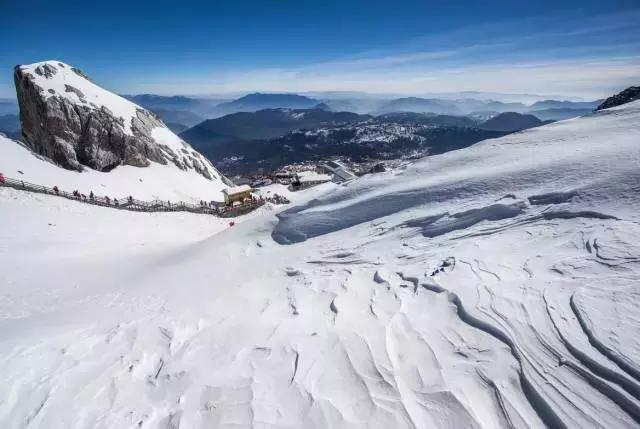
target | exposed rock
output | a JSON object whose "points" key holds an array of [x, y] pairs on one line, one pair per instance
{"points": [[628, 95], [75, 128], [79, 72], [378, 168], [69, 88], [46, 70]]}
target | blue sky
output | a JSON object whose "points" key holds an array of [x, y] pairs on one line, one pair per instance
{"points": [[573, 48]]}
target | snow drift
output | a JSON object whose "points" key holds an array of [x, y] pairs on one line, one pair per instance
{"points": [[495, 286]]}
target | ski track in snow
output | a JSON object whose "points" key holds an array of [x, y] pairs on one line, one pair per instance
{"points": [[489, 287]]}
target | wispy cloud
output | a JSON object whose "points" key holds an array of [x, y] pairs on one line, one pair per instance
{"points": [[562, 54]]}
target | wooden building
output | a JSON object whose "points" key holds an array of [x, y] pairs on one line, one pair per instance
{"points": [[237, 194]]}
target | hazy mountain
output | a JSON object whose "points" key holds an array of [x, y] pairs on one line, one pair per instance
{"points": [[176, 127], [259, 101], [499, 106], [263, 124], [511, 121], [322, 106], [355, 104], [498, 96], [427, 119], [185, 117], [558, 114], [420, 105], [555, 104], [10, 125], [449, 107], [176, 102], [178, 109], [8, 106]]}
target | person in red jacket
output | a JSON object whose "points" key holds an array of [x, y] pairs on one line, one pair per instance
{"points": [[1, 179]]}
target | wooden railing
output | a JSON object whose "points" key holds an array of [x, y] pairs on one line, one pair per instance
{"points": [[130, 203]]}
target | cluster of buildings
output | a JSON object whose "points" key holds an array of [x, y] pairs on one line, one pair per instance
{"points": [[294, 176], [330, 171]]}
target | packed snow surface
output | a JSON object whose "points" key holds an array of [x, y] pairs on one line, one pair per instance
{"points": [[495, 286]]}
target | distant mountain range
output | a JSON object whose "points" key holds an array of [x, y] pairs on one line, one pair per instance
{"points": [[259, 101], [178, 109], [559, 114], [412, 118], [268, 139], [555, 104], [263, 124], [184, 112], [9, 106], [357, 141], [10, 125], [254, 116], [511, 122]]}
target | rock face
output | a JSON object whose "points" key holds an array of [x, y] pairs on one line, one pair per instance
{"points": [[628, 95], [76, 123]]}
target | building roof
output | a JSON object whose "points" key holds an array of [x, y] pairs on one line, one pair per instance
{"points": [[340, 171], [344, 174], [312, 176], [237, 190]]}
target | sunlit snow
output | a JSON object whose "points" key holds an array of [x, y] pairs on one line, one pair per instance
{"points": [[494, 286]]}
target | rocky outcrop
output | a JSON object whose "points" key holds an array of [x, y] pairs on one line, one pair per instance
{"points": [[628, 95], [75, 129]]}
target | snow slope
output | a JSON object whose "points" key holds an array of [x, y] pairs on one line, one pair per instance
{"points": [[164, 182], [490, 287]]}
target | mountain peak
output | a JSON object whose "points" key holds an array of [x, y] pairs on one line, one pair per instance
{"points": [[76, 123]]}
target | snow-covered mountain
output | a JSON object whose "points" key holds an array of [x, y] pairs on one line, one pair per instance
{"points": [[493, 286], [79, 125]]}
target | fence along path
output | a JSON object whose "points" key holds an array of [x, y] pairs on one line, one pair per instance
{"points": [[133, 204]]}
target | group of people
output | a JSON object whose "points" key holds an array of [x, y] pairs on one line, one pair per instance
{"points": [[80, 196], [253, 200], [277, 199], [212, 204]]}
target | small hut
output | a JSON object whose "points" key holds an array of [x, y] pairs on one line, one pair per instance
{"points": [[237, 194]]}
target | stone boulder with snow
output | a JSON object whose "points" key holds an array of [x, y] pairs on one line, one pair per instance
{"points": [[76, 123]]}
